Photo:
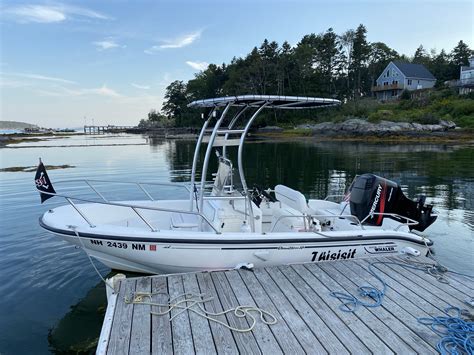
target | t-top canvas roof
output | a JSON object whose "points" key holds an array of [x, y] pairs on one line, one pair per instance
{"points": [[273, 101]]}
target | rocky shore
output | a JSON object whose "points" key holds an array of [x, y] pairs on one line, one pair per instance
{"points": [[358, 126]]}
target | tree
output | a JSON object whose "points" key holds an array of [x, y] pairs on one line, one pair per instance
{"points": [[460, 54], [175, 105], [421, 56], [359, 56], [347, 41], [441, 68], [207, 83], [379, 57]]}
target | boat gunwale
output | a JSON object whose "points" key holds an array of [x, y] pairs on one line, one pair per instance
{"points": [[423, 241]]}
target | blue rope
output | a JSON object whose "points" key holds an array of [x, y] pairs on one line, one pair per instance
{"points": [[457, 333], [351, 303]]}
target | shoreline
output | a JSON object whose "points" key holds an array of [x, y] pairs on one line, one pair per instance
{"points": [[458, 135]]}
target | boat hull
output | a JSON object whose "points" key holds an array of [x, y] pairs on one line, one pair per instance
{"points": [[153, 257]]}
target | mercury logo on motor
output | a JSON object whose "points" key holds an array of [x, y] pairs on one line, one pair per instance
{"points": [[376, 201]]}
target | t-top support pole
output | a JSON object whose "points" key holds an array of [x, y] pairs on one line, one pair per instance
{"points": [[196, 157], [208, 154], [241, 167]]}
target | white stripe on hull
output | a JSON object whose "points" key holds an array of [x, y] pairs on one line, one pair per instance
{"points": [[172, 258]]}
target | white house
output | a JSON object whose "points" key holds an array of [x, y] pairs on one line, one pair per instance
{"points": [[398, 76], [466, 78]]}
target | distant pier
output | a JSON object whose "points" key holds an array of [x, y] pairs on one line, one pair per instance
{"points": [[107, 129], [308, 318]]}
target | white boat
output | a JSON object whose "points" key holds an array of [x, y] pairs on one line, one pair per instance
{"points": [[224, 224]]}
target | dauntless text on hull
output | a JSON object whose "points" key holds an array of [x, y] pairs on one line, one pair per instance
{"points": [[222, 223]]}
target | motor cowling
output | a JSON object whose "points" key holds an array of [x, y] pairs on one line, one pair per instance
{"points": [[371, 195]]}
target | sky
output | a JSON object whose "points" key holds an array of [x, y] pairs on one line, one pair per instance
{"points": [[70, 63]]}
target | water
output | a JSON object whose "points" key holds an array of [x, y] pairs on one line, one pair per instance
{"points": [[51, 296]]}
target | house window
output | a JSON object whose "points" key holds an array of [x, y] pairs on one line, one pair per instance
{"points": [[395, 82], [409, 81], [385, 83], [394, 92]]}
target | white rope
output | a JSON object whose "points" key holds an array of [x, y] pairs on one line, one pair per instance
{"points": [[90, 259], [196, 304]]}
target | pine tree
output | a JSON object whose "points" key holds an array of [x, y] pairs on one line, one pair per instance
{"points": [[359, 56]]}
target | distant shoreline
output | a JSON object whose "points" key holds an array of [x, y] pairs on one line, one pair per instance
{"points": [[464, 136]]}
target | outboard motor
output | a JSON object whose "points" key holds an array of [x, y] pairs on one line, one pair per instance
{"points": [[371, 194]]}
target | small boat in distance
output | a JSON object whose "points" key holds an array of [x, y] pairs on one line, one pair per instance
{"points": [[225, 224]]}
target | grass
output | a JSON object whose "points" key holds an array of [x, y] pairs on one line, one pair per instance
{"points": [[429, 107]]}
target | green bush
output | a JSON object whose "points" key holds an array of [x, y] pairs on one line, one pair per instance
{"points": [[380, 115], [463, 108], [465, 121]]}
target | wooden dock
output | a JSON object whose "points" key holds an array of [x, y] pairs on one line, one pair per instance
{"points": [[308, 318], [107, 129]]}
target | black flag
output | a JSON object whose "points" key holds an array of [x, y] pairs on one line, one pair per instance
{"points": [[43, 184]]}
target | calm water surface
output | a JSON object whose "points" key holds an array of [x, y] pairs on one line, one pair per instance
{"points": [[51, 297]]}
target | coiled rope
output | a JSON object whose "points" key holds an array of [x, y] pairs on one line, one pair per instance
{"points": [[194, 302], [457, 333], [351, 303]]}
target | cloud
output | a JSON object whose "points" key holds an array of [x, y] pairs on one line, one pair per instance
{"points": [[30, 13], [107, 44], [143, 87], [41, 77], [65, 92], [197, 65], [103, 91], [178, 42]]}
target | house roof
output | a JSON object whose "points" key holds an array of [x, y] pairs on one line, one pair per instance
{"points": [[414, 70]]}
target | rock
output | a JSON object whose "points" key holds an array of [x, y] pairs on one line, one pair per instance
{"points": [[448, 124], [359, 126]]}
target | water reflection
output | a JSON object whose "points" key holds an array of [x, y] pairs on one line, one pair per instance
{"points": [[327, 168], [42, 276]]}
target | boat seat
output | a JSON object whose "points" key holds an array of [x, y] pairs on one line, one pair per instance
{"points": [[287, 219], [184, 221], [292, 198]]}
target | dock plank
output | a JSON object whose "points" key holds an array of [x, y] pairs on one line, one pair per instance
{"points": [[140, 341], [162, 341], [283, 334], [305, 336], [308, 317], [384, 332], [223, 337], [351, 281], [262, 332], [350, 320], [245, 341], [119, 342], [180, 326], [460, 287], [398, 283], [420, 337], [430, 285], [201, 331], [328, 315], [312, 319]]}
